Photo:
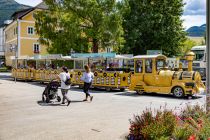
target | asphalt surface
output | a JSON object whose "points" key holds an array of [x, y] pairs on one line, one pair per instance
{"points": [[23, 116]]}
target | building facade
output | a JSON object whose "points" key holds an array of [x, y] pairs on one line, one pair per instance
{"points": [[1, 45], [21, 34]]}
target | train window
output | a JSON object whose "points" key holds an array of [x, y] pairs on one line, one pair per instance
{"points": [[199, 55], [148, 66], [161, 63], [139, 66]]}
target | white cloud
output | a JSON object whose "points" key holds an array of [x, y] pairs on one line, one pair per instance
{"points": [[29, 2], [193, 20], [195, 7], [194, 13]]}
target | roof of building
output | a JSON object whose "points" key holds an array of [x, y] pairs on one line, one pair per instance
{"points": [[21, 13], [42, 5]]}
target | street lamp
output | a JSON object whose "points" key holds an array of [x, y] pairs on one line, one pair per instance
{"points": [[13, 48]]}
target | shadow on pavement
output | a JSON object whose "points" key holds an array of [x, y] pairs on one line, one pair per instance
{"points": [[168, 96], [95, 90], [35, 83], [6, 76], [52, 103]]}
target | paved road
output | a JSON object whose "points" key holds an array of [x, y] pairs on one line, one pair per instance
{"points": [[24, 117]]}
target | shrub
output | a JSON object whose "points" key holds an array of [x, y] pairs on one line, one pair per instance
{"points": [[153, 125], [193, 123], [198, 119], [183, 132], [195, 113], [3, 69]]}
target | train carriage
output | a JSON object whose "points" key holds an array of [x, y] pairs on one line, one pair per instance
{"points": [[108, 78]]}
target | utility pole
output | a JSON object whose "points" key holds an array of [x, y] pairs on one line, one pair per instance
{"points": [[208, 56]]}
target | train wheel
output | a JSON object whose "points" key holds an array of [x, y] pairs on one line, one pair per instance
{"points": [[139, 92], [108, 89], [122, 89], [178, 92]]}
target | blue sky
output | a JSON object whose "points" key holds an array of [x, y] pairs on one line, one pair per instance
{"points": [[194, 11]]}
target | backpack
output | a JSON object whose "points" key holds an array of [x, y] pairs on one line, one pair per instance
{"points": [[68, 81]]}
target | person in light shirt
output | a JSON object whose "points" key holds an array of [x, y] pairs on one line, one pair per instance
{"points": [[64, 88], [87, 78]]}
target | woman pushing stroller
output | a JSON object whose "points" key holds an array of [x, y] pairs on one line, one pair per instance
{"points": [[64, 76]]}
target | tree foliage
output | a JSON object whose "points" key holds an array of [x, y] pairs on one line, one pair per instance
{"points": [[187, 45], [80, 25], [153, 25]]}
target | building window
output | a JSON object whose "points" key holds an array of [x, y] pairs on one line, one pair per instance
{"points": [[36, 48], [30, 30]]}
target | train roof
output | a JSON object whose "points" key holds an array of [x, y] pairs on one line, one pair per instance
{"points": [[198, 48], [160, 56]]}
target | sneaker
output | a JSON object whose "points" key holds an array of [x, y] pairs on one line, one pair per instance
{"points": [[84, 100], [91, 98], [68, 103]]}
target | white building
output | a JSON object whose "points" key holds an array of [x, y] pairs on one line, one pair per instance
{"points": [[2, 41], [1, 44]]}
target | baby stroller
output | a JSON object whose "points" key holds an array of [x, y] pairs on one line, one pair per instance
{"points": [[51, 92]]}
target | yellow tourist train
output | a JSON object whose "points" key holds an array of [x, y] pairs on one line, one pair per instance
{"points": [[150, 74]]}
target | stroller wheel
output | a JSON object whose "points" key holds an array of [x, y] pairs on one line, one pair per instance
{"points": [[58, 98], [43, 99], [47, 100]]}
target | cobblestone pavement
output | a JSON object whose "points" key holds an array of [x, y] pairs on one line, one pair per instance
{"points": [[24, 117]]}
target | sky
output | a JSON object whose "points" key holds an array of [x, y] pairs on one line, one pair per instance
{"points": [[29, 2], [194, 11]]}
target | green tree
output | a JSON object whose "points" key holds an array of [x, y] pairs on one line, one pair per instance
{"points": [[187, 45], [153, 24], [80, 24]]}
